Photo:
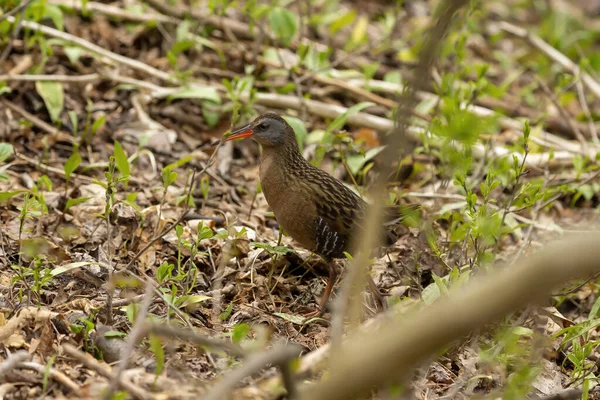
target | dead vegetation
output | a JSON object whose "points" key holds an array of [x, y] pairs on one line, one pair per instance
{"points": [[140, 259]]}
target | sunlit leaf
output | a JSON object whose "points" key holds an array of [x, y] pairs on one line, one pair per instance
{"points": [[159, 353], [197, 92], [121, 160], [299, 129], [240, 331], [189, 300], [53, 95], [68, 267], [294, 319], [7, 195], [355, 162], [284, 24], [6, 149], [72, 164], [114, 334], [74, 202], [340, 121]]}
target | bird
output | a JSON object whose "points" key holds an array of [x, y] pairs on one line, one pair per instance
{"points": [[317, 210]]}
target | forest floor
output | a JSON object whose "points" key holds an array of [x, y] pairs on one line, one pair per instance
{"points": [[119, 199]]}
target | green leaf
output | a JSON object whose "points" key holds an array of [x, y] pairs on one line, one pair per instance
{"points": [[114, 334], [189, 300], [73, 53], [278, 250], [55, 14], [204, 232], [68, 267], [284, 24], [6, 149], [72, 164], [299, 129], [342, 21], [197, 92], [159, 353], [164, 271], [227, 313], [340, 121], [98, 124], [53, 95], [240, 331], [121, 160], [357, 161], [430, 293], [210, 113], [359, 33], [179, 162], [395, 77], [7, 195], [74, 121], [74, 202]]}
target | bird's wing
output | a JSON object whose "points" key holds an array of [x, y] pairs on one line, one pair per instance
{"points": [[337, 210]]}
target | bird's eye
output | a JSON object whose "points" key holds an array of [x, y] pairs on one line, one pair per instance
{"points": [[263, 126]]}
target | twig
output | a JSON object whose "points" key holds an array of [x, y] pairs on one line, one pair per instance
{"points": [[586, 111], [16, 30], [15, 10], [563, 113], [116, 12], [105, 371], [253, 364], [52, 373], [13, 360], [136, 334], [323, 110], [154, 239], [55, 78], [558, 57], [546, 139], [568, 394], [33, 119], [134, 64], [190, 335]]}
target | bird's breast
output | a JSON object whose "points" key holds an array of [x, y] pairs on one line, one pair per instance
{"points": [[293, 209]]}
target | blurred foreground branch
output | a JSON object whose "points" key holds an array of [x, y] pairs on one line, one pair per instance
{"points": [[367, 361], [349, 302]]}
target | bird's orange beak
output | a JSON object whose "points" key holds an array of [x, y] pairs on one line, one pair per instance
{"points": [[242, 133]]}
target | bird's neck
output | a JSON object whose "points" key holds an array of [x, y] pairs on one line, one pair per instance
{"points": [[285, 157], [278, 163]]}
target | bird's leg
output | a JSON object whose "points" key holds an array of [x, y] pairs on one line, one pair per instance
{"points": [[326, 294], [377, 294]]}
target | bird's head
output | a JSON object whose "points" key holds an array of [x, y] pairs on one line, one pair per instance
{"points": [[269, 130]]}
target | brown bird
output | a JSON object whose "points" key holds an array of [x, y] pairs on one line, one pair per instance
{"points": [[314, 208]]}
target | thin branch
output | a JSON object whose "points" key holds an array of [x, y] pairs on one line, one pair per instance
{"points": [[116, 12], [15, 10], [52, 373], [555, 55], [454, 316], [253, 364], [88, 78], [191, 336], [134, 64], [15, 31], [13, 360], [105, 370], [134, 337]]}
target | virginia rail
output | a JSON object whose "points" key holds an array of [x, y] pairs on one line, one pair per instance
{"points": [[314, 208]]}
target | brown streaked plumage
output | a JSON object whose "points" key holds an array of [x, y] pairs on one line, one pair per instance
{"points": [[315, 209]]}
